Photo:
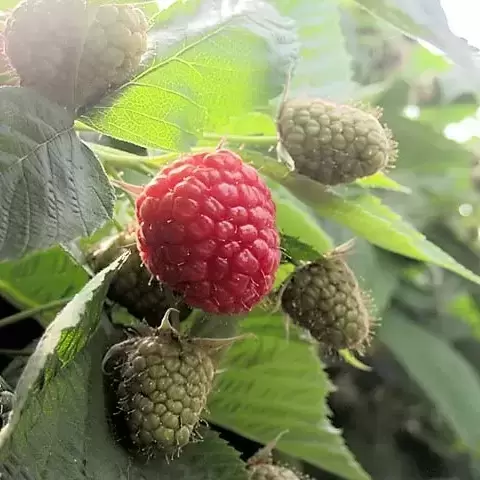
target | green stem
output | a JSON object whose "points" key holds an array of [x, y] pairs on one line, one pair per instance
{"points": [[243, 139], [119, 159], [33, 311]]}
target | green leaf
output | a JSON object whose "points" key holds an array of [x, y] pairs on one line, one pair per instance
{"points": [[434, 364], [298, 250], [417, 140], [52, 187], [59, 429], [7, 4], [437, 170], [41, 278], [426, 20], [296, 220], [227, 62], [381, 181], [441, 116], [65, 338], [377, 271], [324, 68], [252, 123], [270, 385], [463, 306], [367, 217]]}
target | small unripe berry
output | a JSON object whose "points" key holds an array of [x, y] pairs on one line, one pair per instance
{"points": [[324, 297], [332, 143], [133, 286]]}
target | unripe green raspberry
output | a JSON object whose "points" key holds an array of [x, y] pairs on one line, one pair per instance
{"points": [[163, 385], [73, 53], [334, 144], [133, 286], [271, 472], [44, 44], [324, 297], [114, 46]]}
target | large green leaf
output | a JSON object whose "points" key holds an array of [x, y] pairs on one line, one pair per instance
{"points": [[41, 278], [442, 373], [52, 187], [59, 428], [271, 384], [367, 217], [297, 220], [7, 4], [324, 68], [230, 59]]}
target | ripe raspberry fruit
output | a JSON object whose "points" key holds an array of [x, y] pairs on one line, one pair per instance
{"points": [[271, 472], [58, 49], [133, 286], [207, 229], [324, 297], [334, 144]]}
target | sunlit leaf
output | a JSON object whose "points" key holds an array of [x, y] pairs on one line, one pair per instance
{"points": [[270, 385], [231, 59]]}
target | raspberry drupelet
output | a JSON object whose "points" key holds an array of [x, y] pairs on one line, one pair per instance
{"points": [[207, 229]]}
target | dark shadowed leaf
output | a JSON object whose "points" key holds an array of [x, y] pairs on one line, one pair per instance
{"points": [[59, 429], [52, 187], [446, 378]]}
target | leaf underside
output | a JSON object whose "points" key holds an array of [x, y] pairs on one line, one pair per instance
{"points": [[52, 187]]}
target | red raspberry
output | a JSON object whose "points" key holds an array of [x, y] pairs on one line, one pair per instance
{"points": [[207, 229]]}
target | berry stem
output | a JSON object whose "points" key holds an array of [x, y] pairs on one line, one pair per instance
{"points": [[115, 160], [243, 139], [118, 159], [16, 317], [143, 164]]}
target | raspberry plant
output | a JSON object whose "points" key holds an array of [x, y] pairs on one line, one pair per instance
{"points": [[176, 185]]}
